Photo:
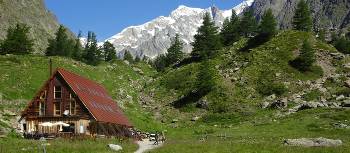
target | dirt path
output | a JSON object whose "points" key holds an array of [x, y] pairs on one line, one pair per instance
{"points": [[146, 145]]}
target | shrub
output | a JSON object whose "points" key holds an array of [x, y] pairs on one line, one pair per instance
{"points": [[13, 134], [342, 45], [312, 95], [267, 85], [270, 88], [343, 91], [306, 58]]}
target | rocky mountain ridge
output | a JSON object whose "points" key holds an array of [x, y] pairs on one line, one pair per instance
{"points": [[33, 13], [332, 15], [154, 37]]}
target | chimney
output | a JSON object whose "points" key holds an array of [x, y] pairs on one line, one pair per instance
{"points": [[50, 67]]}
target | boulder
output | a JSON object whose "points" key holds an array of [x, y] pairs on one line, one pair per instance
{"points": [[126, 62], [337, 56], [271, 97], [115, 147], [339, 98], [347, 65], [138, 70], [311, 105], [196, 118], [323, 90], [174, 121], [341, 126], [347, 83], [313, 142], [202, 104], [334, 105], [346, 103], [306, 105], [279, 104], [8, 113], [264, 105]]}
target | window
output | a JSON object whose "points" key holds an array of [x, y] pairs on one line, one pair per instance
{"points": [[57, 92], [43, 95], [42, 108], [72, 105], [57, 108]]}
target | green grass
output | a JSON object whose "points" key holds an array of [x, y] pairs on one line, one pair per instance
{"points": [[13, 145], [262, 134]]}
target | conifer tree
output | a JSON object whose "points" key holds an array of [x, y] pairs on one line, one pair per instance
{"points": [[109, 51], [225, 32], [61, 45], [306, 58], [92, 52], [342, 45], [230, 30], [347, 35], [302, 19], [77, 49], [128, 57], [137, 59], [17, 41], [322, 35], [206, 78], [175, 53], [267, 27], [248, 24], [160, 63], [207, 40], [145, 59]]}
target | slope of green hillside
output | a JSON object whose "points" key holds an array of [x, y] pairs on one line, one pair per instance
{"points": [[242, 73], [234, 121], [22, 76], [245, 80]]}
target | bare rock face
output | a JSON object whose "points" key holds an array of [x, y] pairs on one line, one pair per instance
{"points": [[32, 13], [313, 142], [326, 14]]}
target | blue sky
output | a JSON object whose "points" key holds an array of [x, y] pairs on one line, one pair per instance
{"points": [[109, 17]]}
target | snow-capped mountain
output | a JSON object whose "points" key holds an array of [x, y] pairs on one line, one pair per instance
{"points": [[153, 38]]}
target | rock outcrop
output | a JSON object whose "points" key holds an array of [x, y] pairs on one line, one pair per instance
{"points": [[326, 14], [33, 13], [313, 142]]}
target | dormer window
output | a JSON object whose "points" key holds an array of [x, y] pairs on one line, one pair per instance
{"points": [[57, 92]]}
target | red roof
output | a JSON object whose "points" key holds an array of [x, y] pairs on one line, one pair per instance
{"points": [[95, 98]]}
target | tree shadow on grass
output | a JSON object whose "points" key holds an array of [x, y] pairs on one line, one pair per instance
{"points": [[189, 98], [187, 61], [255, 42]]}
